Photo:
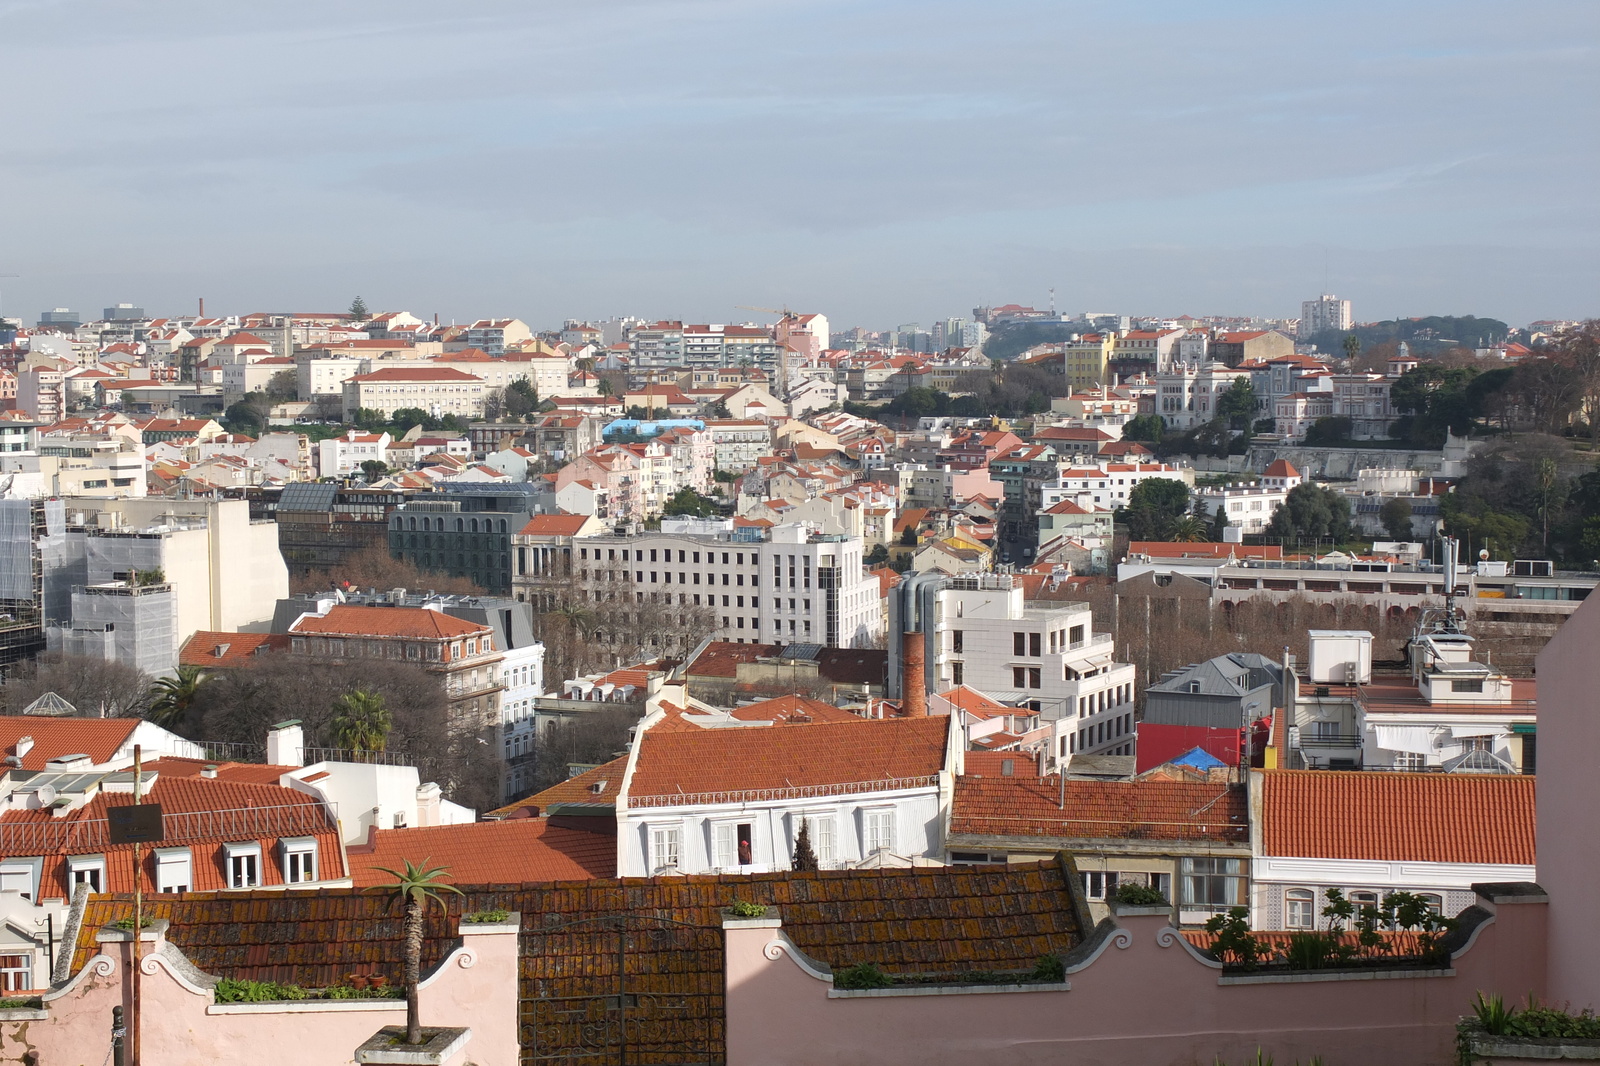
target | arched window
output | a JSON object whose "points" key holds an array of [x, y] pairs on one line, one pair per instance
{"points": [[411, 523], [472, 526], [1300, 908], [1434, 901], [460, 525]]}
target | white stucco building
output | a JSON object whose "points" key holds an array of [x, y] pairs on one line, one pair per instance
{"points": [[732, 799]]}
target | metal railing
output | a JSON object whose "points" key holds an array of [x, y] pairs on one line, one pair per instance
{"points": [[379, 758], [232, 751], [245, 823], [1330, 740], [757, 795]]}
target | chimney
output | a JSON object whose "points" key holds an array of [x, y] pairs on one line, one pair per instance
{"points": [[913, 683], [24, 745], [286, 744], [209, 770], [202, 307], [428, 804]]}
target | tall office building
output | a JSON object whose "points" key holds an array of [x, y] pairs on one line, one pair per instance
{"points": [[1324, 313]]}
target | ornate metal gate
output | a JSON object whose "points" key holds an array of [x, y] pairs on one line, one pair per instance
{"points": [[622, 990]]}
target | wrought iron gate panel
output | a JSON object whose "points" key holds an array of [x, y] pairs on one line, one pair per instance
{"points": [[622, 990]]}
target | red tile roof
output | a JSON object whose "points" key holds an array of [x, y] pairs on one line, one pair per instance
{"points": [[262, 814], [1145, 810], [1281, 468], [437, 374], [599, 785], [211, 649], [740, 760], [351, 621], [98, 738], [992, 764], [793, 710], [554, 525], [1398, 817], [515, 852]]}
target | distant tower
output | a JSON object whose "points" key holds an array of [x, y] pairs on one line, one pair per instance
{"points": [[1326, 313]]}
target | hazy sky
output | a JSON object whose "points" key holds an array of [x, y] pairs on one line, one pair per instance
{"points": [[882, 162]]}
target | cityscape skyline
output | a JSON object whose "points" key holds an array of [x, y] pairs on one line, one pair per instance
{"points": [[552, 162]]}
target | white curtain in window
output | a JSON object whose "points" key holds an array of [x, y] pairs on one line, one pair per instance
{"points": [[1412, 738]]}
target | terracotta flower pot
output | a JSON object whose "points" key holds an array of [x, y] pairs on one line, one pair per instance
{"points": [[358, 980], [377, 980]]}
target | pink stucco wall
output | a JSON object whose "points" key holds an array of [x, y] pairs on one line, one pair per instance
{"points": [[1568, 797], [1145, 1000], [476, 987]]}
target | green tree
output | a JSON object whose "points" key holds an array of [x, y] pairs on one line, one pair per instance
{"points": [[361, 721], [1329, 431], [373, 469], [805, 857], [1396, 518], [1311, 512], [358, 310], [1188, 529], [1219, 523], [1154, 506], [1544, 475], [604, 388], [172, 697], [1590, 542], [686, 501], [1238, 404], [1352, 346], [406, 417], [417, 887], [1149, 428], [521, 399], [877, 556]]}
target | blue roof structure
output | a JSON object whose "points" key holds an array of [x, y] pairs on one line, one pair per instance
{"points": [[1198, 759]]}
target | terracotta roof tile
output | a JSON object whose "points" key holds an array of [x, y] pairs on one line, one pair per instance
{"points": [[1143, 810], [791, 710], [738, 760], [98, 738], [1398, 817], [579, 789], [518, 851], [917, 921], [209, 649], [351, 621]]}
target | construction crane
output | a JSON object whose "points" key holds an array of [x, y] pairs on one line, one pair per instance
{"points": [[784, 315]]}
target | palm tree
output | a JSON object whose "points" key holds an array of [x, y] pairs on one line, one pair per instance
{"points": [[1188, 529], [361, 721], [416, 886], [171, 697]]}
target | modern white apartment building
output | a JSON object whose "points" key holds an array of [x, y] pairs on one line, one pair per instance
{"points": [[342, 456], [739, 443], [977, 630], [1324, 313], [795, 586]]}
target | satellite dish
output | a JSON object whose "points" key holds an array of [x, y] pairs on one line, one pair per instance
{"points": [[46, 794]]}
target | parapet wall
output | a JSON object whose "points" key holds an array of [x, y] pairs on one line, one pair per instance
{"points": [[1137, 995]]}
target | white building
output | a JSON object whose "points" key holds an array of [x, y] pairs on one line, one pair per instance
{"points": [[343, 456], [1324, 313], [795, 586], [732, 799], [1249, 507], [437, 390], [1108, 484], [1187, 393], [738, 444], [978, 631]]}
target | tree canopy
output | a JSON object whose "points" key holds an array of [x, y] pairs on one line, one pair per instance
{"points": [[1154, 508], [1311, 512]]}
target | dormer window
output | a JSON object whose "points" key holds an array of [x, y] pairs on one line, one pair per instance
{"points": [[86, 870], [243, 865], [299, 859], [174, 870]]}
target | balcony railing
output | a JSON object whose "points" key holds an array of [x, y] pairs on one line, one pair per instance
{"points": [[1330, 740], [380, 758]]}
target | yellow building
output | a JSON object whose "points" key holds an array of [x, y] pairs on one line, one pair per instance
{"points": [[1086, 359]]}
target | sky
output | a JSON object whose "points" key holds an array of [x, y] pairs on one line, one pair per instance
{"points": [[881, 162]]}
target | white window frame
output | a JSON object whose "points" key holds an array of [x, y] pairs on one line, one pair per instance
{"points": [[235, 854], [823, 828], [1296, 900], [299, 857], [24, 870], [174, 870], [873, 820], [664, 841], [90, 869], [17, 978]]}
